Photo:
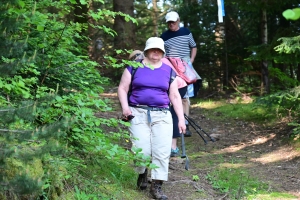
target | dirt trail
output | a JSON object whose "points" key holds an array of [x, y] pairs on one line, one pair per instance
{"points": [[262, 150]]}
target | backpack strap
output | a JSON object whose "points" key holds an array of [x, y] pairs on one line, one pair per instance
{"points": [[172, 78], [133, 71]]}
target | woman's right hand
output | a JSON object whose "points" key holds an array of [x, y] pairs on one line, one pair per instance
{"points": [[127, 115], [126, 111]]}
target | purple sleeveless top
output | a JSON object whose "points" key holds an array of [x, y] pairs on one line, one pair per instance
{"points": [[150, 86]]}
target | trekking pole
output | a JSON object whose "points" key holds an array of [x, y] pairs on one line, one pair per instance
{"points": [[192, 122], [196, 129], [210, 137], [183, 155]]}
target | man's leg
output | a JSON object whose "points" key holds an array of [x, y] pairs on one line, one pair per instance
{"points": [[197, 87]]}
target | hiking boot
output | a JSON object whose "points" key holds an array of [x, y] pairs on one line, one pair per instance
{"points": [[174, 153], [188, 133], [156, 191], [142, 181]]}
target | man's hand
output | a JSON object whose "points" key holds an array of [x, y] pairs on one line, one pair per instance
{"points": [[192, 60]]}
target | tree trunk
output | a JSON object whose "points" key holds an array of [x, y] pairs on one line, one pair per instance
{"points": [[125, 30], [155, 18], [264, 64], [220, 39], [95, 43]]}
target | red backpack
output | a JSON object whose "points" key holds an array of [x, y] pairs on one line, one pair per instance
{"points": [[183, 70]]}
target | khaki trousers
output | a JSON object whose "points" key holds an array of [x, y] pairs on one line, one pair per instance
{"points": [[154, 138]]}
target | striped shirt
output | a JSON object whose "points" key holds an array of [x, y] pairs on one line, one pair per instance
{"points": [[178, 43]]}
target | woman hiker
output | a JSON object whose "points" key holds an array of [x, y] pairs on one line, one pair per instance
{"points": [[151, 90]]}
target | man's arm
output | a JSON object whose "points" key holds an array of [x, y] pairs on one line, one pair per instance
{"points": [[193, 54]]}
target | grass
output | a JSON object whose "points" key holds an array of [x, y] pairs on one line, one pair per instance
{"points": [[271, 196], [246, 111], [231, 177], [236, 182], [103, 179]]}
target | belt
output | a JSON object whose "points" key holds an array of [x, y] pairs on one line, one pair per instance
{"points": [[148, 108]]}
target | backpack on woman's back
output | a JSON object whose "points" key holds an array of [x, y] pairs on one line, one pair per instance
{"points": [[183, 70]]}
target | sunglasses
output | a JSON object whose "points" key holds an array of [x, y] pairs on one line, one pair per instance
{"points": [[171, 22], [127, 118]]}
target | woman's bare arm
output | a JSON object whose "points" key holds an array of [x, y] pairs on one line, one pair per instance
{"points": [[177, 104], [123, 92]]}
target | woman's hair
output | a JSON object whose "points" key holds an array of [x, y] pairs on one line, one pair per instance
{"points": [[136, 55], [146, 53]]}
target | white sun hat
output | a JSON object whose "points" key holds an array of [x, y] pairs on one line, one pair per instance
{"points": [[172, 16], [155, 42]]}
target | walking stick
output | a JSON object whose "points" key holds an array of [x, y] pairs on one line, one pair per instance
{"points": [[183, 155]]}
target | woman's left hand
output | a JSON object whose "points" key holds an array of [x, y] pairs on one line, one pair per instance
{"points": [[182, 127]]}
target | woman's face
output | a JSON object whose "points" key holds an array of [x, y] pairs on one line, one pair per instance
{"points": [[155, 54]]}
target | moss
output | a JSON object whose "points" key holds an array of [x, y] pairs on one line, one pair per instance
{"points": [[15, 167], [2, 196]]}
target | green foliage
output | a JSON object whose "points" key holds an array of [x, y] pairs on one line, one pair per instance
{"points": [[288, 45], [292, 14], [83, 195], [196, 178], [242, 111], [49, 95], [236, 182], [296, 130], [101, 179], [23, 149], [283, 104], [282, 79], [142, 160], [289, 101]]}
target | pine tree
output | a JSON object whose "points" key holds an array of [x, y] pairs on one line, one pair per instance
{"points": [[25, 139]]}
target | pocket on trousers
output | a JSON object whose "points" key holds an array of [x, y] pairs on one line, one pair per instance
{"points": [[165, 117], [140, 116]]}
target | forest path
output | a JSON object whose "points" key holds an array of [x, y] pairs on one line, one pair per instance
{"points": [[263, 151]]}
